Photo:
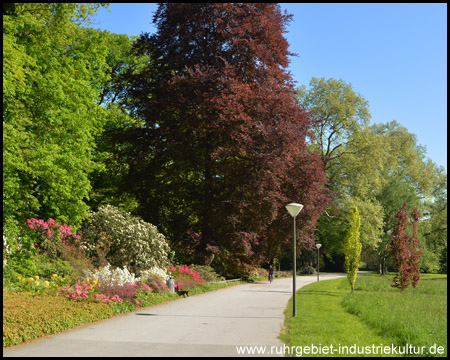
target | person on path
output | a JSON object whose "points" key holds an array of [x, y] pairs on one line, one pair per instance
{"points": [[270, 273]]}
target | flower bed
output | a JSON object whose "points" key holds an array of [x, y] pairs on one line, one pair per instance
{"points": [[185, 277], [48, 271], [27, 315]]}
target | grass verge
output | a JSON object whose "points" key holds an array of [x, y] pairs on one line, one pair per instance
{"points": [[376, 320]]}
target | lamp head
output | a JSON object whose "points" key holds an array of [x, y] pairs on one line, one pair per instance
{"points": [[318, 246], [294, 209]]}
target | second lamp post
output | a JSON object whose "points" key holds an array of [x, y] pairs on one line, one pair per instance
{"points": [[318, 261], [294, 209]]}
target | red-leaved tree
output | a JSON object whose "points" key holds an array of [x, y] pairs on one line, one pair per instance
{"points": [[416, 251], [405, 250], [224, 146]]}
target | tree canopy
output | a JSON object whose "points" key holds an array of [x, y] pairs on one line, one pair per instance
{"points": [[198, 129], [52, 70], [375, 167], [224, 145]]}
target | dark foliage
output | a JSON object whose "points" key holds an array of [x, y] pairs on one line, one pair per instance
{"points": [[224, 146]]}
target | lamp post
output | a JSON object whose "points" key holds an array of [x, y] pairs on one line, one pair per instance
{"points": [[318, 261], [294, 209]]}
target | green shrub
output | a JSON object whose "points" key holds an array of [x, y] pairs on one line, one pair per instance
{"points": [[306, 270], [253, 274], [208, 273], [39, 265], [283, 274]]}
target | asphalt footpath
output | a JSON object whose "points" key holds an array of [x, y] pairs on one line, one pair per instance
{"points": [[234, 321]]}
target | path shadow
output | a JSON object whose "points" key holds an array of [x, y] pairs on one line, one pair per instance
{"points": [[275, 291], [212, 316], [319, 292]]}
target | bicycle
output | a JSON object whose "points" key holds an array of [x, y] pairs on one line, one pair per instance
{"points": [[270, 277]]}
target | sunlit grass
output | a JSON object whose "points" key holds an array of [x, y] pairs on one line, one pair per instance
{"points": [[416, 316], [374, 315]]}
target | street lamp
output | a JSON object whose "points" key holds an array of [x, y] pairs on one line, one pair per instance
{"points": [[318, 261], [294, 209]]}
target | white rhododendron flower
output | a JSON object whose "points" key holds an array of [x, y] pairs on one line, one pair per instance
{"points": [[131, 241]]}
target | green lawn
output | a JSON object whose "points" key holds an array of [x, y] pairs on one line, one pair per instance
{"points": [[376, 320]]}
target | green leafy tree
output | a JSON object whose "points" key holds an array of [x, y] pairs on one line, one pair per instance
{"points": [[112, 156], [52, 72], [339, 112], [416, 251], [433, 230], [376, 168], [352, 248]]}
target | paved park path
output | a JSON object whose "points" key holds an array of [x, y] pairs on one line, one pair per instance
{"points": [[210, 324]]}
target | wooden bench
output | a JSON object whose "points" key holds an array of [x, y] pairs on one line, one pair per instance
{"points": [[180, 291]]}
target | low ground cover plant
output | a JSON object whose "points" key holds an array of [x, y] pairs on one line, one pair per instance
{"points": [[27, 315]]}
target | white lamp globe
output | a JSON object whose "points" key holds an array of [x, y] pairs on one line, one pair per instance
{"points": [[294, 209]]}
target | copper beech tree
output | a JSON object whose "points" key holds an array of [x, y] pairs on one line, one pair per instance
{"points": [[225, 145]]}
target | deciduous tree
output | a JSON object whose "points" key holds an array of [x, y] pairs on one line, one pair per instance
{"points": [[405, 250], [340, 112], [224, 146], [416, 251], [352, 248], [52, 70]]}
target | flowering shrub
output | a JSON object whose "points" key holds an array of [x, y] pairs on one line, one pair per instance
{"points": [[126, 292], [131, 242], [185, 270], [51, 237], [86, 290], [185, 277], [207, 272], [51, 227], [79, 292], [159, 286], [6, 250], [154, 282], [154, 271], [112, 293], [112, 276], [107, 299], [17, 248], [37, 285]]}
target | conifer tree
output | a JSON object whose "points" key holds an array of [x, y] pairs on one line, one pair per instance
{"points": [[352, 248]]}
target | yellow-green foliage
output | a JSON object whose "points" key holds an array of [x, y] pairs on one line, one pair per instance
{"points": [[27, 316], [352, 248]]}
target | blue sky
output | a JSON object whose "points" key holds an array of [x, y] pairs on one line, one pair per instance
{"points": [[395, 55]]}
